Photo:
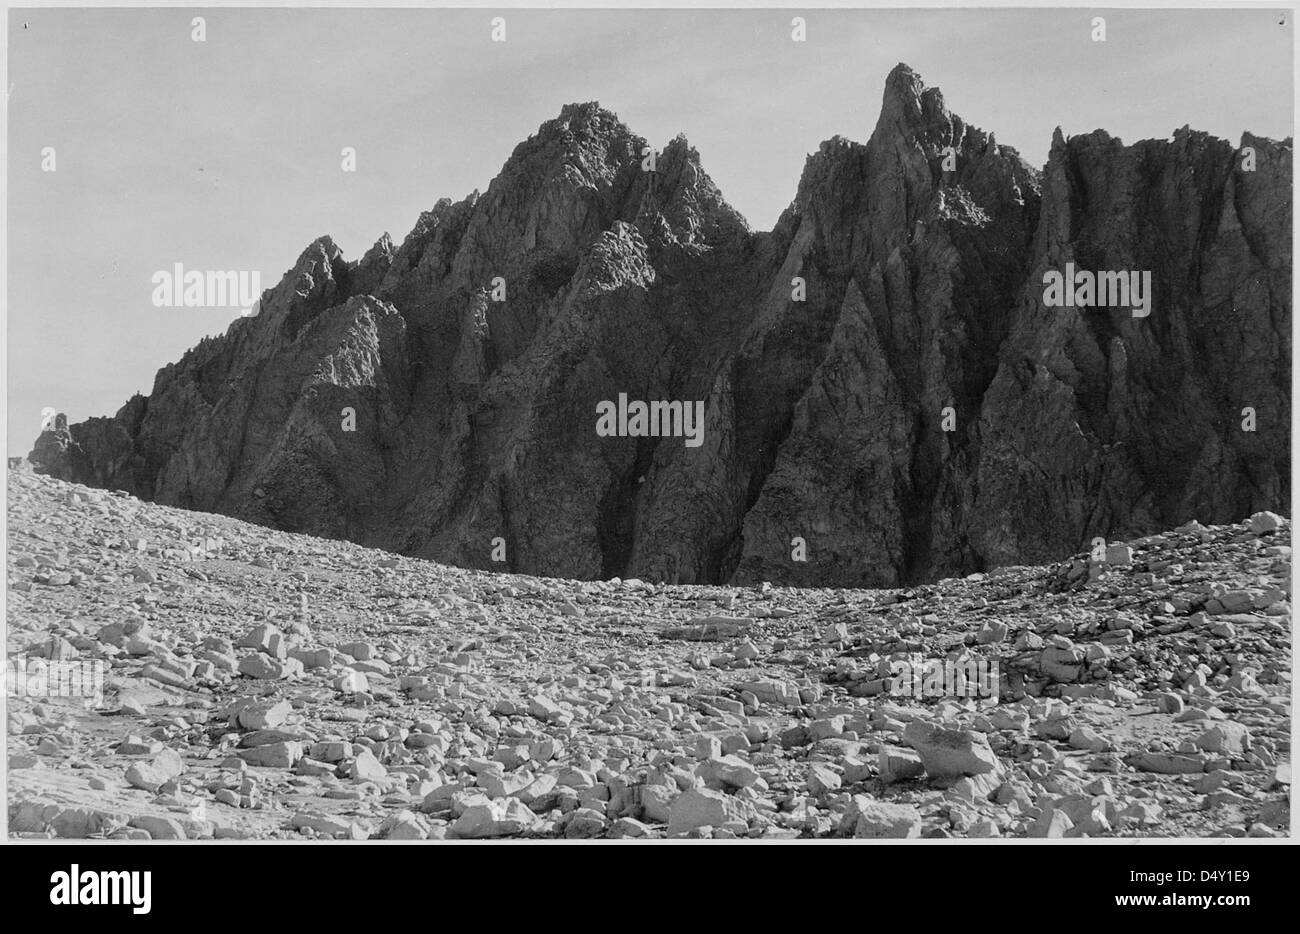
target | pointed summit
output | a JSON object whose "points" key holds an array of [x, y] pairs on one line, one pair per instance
{"points": [[689, 200], [580, 127], [584, 141], [582, 119], [909, 109], [904, 81]]}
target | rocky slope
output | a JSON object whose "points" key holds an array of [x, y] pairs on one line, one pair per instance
{"points": [[918, 413], [262, 684]]}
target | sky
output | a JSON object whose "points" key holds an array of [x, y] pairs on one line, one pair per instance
{"points": [[226, 154]]}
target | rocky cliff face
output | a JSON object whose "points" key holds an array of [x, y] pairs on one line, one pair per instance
{"points": [[1098, 421], [885, 392]]}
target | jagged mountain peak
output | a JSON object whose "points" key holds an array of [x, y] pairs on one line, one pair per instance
{"points": [[681, 144], [583, 116], [909, 109], [323, 245], [321, 260], [903, 84], [580, 129], [914, 123]]}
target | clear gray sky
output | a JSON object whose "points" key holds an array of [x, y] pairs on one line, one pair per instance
{"points": [[226, 154]]}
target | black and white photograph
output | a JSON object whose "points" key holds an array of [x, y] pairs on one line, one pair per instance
{"points": [[781, 424]]}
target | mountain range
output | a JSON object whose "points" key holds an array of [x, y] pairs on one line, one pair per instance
{"points": [[887, 396]]}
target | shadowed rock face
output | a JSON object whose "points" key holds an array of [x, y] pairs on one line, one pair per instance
{"points": [[1101, 422], [824, 418]]}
